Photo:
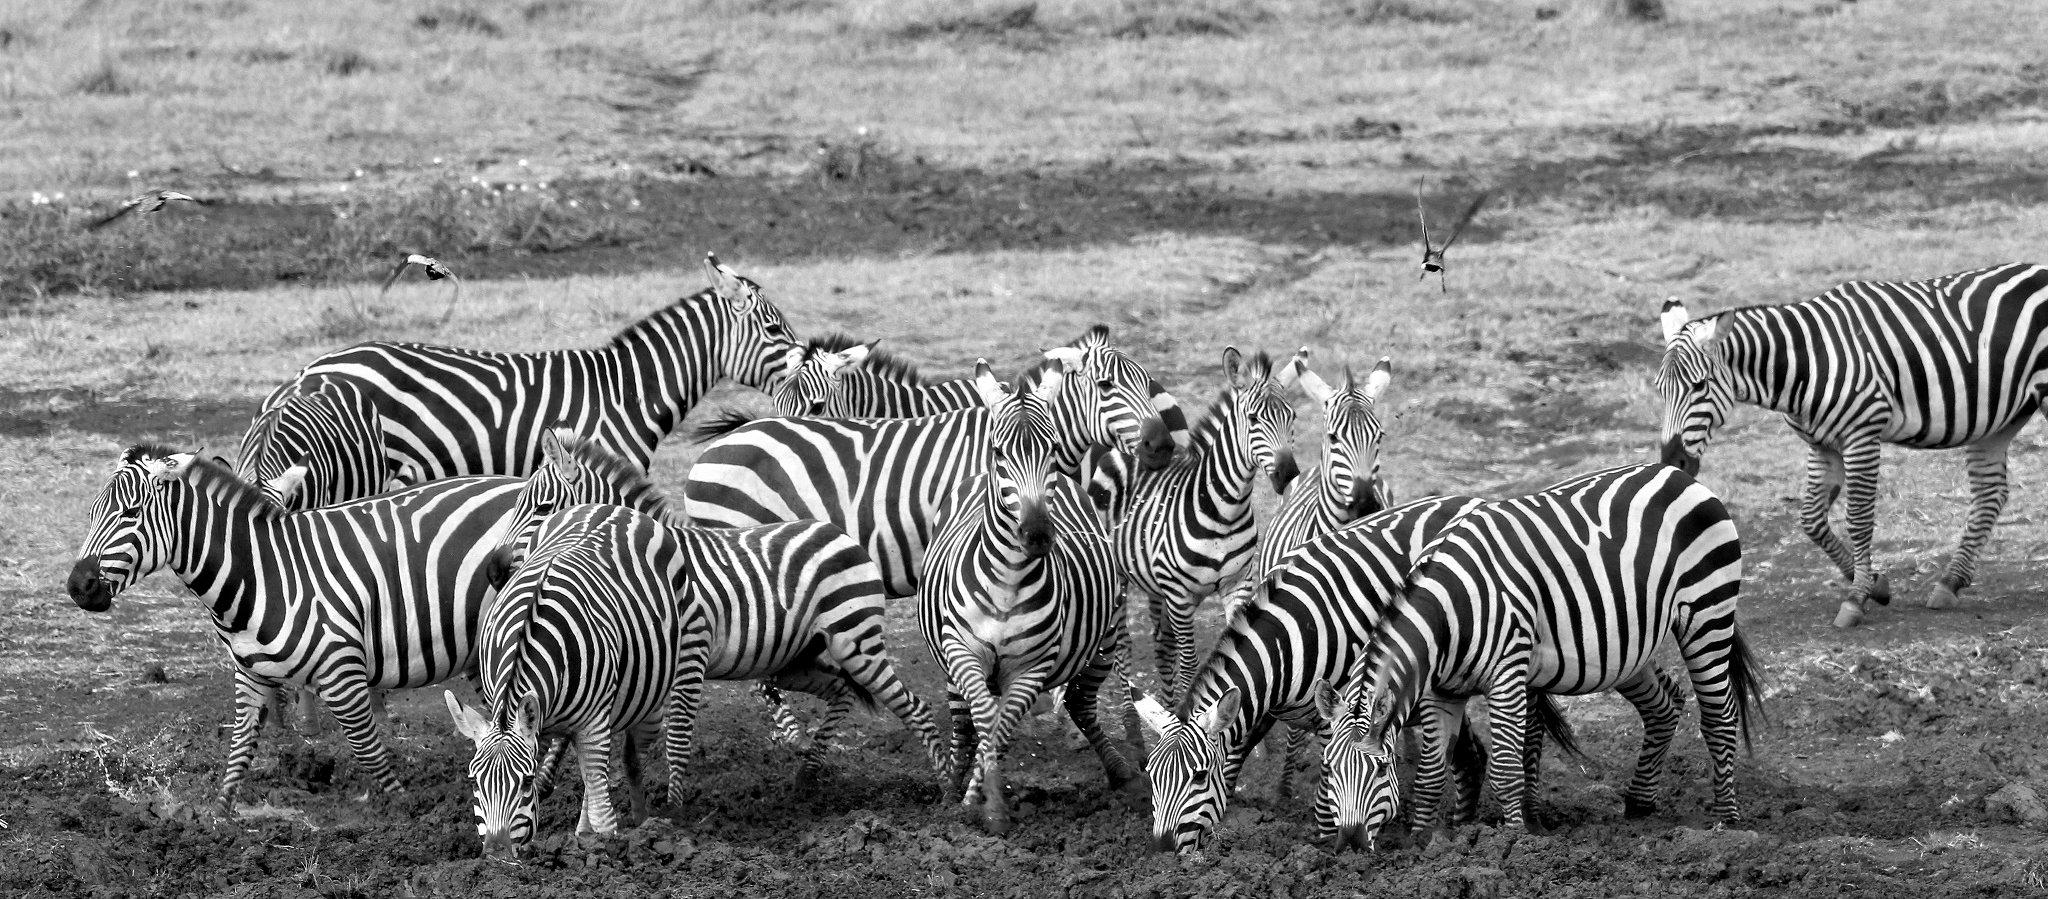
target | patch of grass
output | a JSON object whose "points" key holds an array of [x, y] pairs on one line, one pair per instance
{"points": [[458, 19], [343, 62], [104, 80], [1429, 12]]}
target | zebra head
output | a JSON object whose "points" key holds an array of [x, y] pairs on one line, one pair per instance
{"points": [[1351, 436], [815, 384], [133, 524], [1020, 449], [759, 350], [1358, 795], [1115, 400], [1186, 768], [501, 773], [1693, 379], [1263, 417], [317, 449]]}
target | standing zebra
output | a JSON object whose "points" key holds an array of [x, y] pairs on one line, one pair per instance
{"points": [[841, 378], [798, 604], [1347, 485], [379, 593], [1954, 361], [448, 411], [318, 449], [1308, 622], [1181, 531], [597, 635], [884, 480], [1014, 602], [1566, 591]]}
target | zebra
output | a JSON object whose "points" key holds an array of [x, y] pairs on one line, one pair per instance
{"points": [[1183, 530], [1309, 619], [376, 594], [318, 449], [1013, 601], [1567, 591], [1955, 361], [448, 411], [597, 635], [797, 604], [884, 480], [840, 377]]}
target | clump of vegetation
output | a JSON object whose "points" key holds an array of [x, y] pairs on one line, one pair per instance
{"points": [[1428, 12], [342, 63], [105, 80], [458, 19]]}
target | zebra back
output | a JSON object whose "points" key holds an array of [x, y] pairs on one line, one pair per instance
{"points": [[317, 449], [842, 378], [1308, 619], [449, 411]]}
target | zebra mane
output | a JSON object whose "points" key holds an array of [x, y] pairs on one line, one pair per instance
{"points": [[625, 335], [216, 481], [881, 363], [635, 489], [147, 451]]}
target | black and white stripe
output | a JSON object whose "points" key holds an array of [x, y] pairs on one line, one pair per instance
{"points": [[839, 377], [318, 449], [884, 480], [597, 636], [1955, 361], [1566, 591]]}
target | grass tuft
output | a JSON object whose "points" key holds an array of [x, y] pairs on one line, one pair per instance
{"points": [[458, 19], [106, 80], [345, 62]]}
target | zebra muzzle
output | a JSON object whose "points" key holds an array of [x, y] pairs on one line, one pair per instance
{"points": [[91, 590], [1676, 457], [1155, 444], [1353, 836], [1284, 470]]}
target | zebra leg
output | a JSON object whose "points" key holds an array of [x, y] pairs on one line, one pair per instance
{"points": [[1120, 657], [963, 743], [254, 694], [1723, 675], [1824, 477], [1647, 692], [1437, 716], [553, 753], [594, 758], [1468, 770], [1859, 460], [1082, 701], [858, 649], [1507, 715], [639, 739], [1180, 619], [1988, 490], [679, 716], [1018, 695], [1299, 740], [968, 696], [347, 694], [836, 709], [785, 727]]}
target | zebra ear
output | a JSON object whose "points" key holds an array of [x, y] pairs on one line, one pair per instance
{"points": [[554, 447], [1219, 714], [992, 393], [288, 485], [1233, 366], [1312, 383], [729, 285], [1069, 358], [1376, 383], [851, 357], [1673, 319], [1326, 699], [468, 721], [1049, 382], [170, 468], [1285, 376]]}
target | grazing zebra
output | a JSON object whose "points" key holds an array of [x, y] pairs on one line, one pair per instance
{"points": [[1181, 531], [448, 411], [798, 604], [1955, 361], [1308, 622], [1015, 603], [317, 449], [598, 635], [375, 594], [884, 480], [1566, 591]]}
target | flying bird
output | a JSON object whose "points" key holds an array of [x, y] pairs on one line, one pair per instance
{"points": [[435, 270], [1433, 256], [147, 203]]}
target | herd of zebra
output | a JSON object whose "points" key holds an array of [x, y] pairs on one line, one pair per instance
{"points": [[401, 513]]}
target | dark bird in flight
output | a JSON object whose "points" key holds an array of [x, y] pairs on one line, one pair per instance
{"points": [[147, 203], [1433, 256], [435, 270]]}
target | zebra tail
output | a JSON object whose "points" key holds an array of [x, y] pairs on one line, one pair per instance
{"points": [[1555, 726], [719, 424], [1745, 681]]}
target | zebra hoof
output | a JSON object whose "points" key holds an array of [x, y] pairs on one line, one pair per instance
{"points": [[1944, 596], [1850, 615], [1633, 808], [1881, 589]]}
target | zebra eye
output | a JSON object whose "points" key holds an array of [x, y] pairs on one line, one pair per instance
{"points": [[133, 511]]}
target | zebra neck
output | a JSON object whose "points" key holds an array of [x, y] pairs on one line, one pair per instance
{"points": [[1262, 675], [671, 358], [1775, 368], [1222, 451], [227, 554]]}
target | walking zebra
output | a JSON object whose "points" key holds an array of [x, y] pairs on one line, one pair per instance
{"points": [[1181, 531], [1955, 361], [597, 636], [318, 449], [1566, 591], [797, 604], [448, 411], [379, 593], [1310, 619], [884, 480], [1013, 603]]}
